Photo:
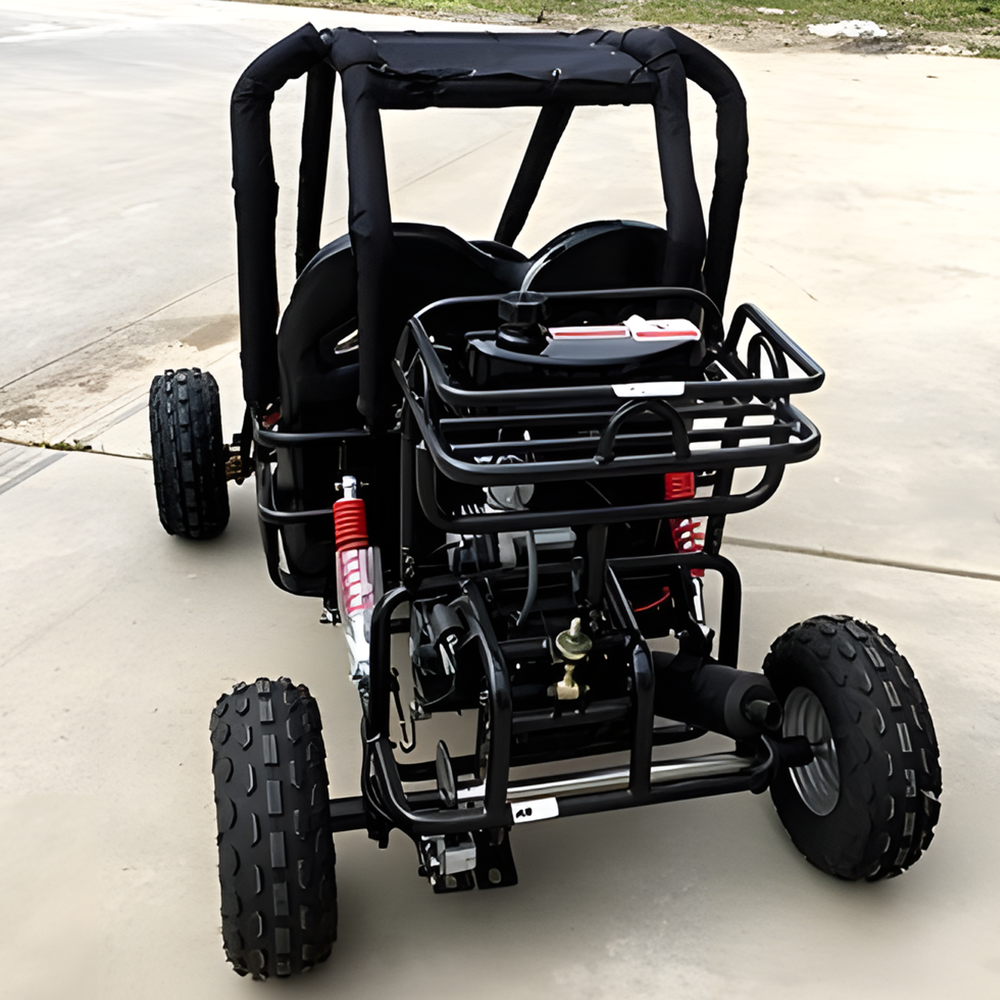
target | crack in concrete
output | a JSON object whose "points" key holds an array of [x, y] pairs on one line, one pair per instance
{"points": [[111, 333], [38, 446], [802, 550]]}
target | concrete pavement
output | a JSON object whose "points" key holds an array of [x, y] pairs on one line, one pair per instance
{"points": [[870, 234]]}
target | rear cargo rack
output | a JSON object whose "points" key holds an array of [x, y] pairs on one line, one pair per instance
{"points": [[729, 411]]}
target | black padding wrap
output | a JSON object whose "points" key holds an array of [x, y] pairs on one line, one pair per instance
{"points": [[710, 73], [257, 204], [312, 166], [551, 123]]}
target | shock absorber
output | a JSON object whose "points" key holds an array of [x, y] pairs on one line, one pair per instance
{"points": [[359, 576], [687, 535]]}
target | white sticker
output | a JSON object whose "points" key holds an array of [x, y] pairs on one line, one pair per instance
{"points": [[681, 330], [535, 810], [631, 390]]}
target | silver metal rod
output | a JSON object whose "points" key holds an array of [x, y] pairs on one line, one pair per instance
{"points": [[616, 779]]}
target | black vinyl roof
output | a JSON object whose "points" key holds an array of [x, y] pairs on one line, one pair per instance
{"points": [[445, 55], [457, 68]]}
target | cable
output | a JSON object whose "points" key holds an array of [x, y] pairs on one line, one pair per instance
{"points": [[529, 597]]}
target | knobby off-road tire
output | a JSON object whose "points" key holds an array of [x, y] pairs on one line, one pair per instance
{"points": [[867, 804], [189, 453], [276, 854]]}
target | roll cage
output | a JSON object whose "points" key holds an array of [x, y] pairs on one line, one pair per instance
{"points": [[554, 72]]}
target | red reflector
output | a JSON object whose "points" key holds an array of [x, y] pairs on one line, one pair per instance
{"points": [[678, 485]]}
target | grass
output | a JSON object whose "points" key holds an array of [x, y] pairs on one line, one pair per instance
{"points": [[61, 445], [911, 17]]}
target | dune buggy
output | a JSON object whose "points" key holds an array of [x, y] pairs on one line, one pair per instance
{"points": [[523, 464]]}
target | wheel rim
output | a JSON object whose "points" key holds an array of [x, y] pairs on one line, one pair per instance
{"points": [[818, 782]]}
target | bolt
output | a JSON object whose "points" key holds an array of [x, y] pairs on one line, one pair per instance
{"points": [[573, 643], [495, 877], [450, 882]]}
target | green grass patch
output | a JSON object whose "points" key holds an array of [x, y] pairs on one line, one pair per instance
{"points": [[959, 16]]}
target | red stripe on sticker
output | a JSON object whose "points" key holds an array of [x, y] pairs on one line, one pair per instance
{"points": [[588, 331]]}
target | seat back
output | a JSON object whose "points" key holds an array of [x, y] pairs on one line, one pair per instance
{"points": [[609, 254], [319, 382]]}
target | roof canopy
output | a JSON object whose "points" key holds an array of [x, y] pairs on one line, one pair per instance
{"points": [[489, 69]]}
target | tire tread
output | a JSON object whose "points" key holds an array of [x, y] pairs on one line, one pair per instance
{"points": [[188, 451], [272, 876], [886, 745]]}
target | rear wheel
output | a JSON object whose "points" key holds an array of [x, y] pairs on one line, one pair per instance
{"points": [[276, 854], [189, 453], [866, 805]]}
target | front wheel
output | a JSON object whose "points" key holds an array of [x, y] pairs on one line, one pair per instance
{"points": [[276, 857], [189, 453], [866, 805]]}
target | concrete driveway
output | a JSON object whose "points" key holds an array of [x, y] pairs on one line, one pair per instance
{"points": [[869, 234]]}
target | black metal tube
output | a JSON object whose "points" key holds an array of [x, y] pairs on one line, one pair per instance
{"points": [[379, 661], [370, 225], [597, 546], [282, 439], [256, 200], [313, 164], [578, 417], [280, 518], [644, 688], [518, 520], [548, 130], [347, 814], [711, 74], [579, 805], [728, 438], [732, 591], [678, 433], [501, 706], [416, 815], [701, 390], [386, 778]]}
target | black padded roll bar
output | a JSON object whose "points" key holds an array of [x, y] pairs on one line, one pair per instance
{"points": [[312, 166], [551, 123], [654, 49], [710, 73], [257, 204]]}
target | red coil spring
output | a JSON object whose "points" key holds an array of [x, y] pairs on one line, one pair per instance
{"points": [[687, 534], [355, 593], [350, 525]]}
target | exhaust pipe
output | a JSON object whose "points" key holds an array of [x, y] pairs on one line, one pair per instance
{"points": [[736, 703]]}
